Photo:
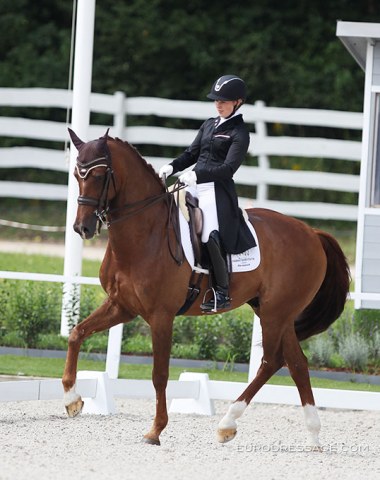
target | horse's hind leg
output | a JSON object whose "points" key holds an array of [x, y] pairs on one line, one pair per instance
{"points": [[272, 360], [106, 316], [298, 368]]}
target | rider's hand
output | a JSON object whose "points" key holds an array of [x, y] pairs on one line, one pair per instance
{"points": [[165, 171], [188, 178]]}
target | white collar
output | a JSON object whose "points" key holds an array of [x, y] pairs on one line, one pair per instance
{"points": [[222, 119]]}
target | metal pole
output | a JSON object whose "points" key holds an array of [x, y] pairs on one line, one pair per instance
{"points": [[80, 124]]}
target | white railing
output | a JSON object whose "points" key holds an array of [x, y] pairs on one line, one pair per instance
{"points": [[262, 146], [192, 393]]}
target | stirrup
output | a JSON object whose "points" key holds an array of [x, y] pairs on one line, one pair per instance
{"points": [[219, 301]]}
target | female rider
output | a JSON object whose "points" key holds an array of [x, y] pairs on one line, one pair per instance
{"points": [[217, 152]]}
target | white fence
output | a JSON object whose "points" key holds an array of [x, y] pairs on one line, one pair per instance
{"points": [[119, 108], [192, 393], [195, 391]]}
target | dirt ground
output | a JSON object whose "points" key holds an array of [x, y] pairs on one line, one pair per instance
{"points": [[39, 442]]}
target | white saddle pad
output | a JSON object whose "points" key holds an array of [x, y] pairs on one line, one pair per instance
{"points": [[242, 262]]}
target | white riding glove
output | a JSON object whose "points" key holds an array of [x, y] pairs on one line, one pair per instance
{"points": [[165, 171], [188, 178]]}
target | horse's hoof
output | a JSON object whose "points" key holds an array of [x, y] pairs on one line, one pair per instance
{"points": [[151, 441], [74, 408], [225, 435]]}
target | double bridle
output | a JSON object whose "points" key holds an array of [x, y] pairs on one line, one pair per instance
{"points": [[104, 213], [101, 204]]}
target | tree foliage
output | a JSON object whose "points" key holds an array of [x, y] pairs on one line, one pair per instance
{"points": [[287, 51]]}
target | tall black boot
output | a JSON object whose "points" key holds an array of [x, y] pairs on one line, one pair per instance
{"points": [[219, 273]]}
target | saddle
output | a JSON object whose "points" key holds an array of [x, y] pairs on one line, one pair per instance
{"points": [[195, 220], [189, 207]]}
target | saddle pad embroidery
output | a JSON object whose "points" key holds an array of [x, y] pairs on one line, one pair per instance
{"points": [[242, 262]]}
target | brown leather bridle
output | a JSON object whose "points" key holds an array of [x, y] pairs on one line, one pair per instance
{"points": [[101, 204]]}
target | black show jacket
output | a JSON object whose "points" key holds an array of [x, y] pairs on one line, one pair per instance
{"points": [[217, 152]]}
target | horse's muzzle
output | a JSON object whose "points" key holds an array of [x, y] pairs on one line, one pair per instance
{"points": [[86, 229]]}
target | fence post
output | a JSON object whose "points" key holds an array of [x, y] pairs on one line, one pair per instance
{"points": [[256, 349], [263, 160], [80, 123], [115, 337], [119, 117]]}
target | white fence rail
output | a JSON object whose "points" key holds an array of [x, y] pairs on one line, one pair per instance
{"points": [[192, 393], [262, 147]]}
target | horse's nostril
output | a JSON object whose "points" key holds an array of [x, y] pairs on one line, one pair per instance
{"points": [[82, 230]]}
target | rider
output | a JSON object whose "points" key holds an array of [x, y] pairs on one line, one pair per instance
{"points": [[217, 152]]}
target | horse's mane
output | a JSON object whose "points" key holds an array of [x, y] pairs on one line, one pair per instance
{"points": [[133, 149]]}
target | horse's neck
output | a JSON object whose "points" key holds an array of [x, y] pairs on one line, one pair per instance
{"points": [[138, 223], [140, 181]]}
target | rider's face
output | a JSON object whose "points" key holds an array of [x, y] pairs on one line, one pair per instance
{"points": [[225, 107]]}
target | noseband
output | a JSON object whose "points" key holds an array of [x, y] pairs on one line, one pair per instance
{"points": [[101, 204]]}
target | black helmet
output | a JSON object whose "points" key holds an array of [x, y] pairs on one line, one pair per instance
{"points": [[228, 87]]}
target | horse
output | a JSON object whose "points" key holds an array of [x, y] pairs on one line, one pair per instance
{"points": [[298, 290]]}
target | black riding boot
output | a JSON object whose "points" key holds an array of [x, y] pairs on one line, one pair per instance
{"points": [[219, 273]]}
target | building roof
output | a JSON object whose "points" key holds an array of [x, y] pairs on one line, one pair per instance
{"points": [[355, 35]]}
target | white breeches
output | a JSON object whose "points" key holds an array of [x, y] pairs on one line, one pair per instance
{"points": [[205, 192]]}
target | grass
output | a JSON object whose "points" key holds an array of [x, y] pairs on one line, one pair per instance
{"points": [[53, 368], [18, 262]]}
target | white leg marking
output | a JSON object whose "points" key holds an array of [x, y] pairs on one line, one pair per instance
{"points": [[313, 423], [235, 411], [70, 397]]}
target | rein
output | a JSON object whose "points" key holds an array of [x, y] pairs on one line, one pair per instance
{"points": [[104, 213], [173, 216]]}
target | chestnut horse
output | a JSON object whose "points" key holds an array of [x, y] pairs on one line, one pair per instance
{"points": [[298, 290]]}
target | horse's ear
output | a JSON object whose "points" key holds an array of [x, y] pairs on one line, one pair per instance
{"points": [[104, 138], [75, 139]]}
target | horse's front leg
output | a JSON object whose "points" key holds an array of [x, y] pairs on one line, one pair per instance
{"points": [[106, 316], [161, 340]]}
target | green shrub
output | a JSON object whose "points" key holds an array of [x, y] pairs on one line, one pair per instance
{"points": [[222, 353], [344, 326], [51, 341], [180, 350], [85, 300], [140, 344], [321, 350], [207, 335], [238, 334], [96, 343], [13, 339], [184, 330], [374, 347], [91, 298], [367, 322], [31, 308], [136, 326], [355, 351]]}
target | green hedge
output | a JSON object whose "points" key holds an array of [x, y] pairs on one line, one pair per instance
{"points": [[30, 316]]}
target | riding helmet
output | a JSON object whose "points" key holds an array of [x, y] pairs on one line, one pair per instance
{"points": [[228, 87]]}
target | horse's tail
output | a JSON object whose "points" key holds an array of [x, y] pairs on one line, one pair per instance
{"points": [[329, 301]]}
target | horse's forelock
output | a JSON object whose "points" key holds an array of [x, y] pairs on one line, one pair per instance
{"points": [[93, 149]]}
